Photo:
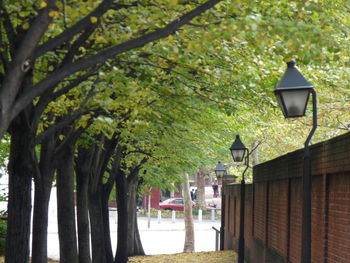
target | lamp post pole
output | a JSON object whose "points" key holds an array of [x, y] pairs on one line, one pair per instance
{"points": [[238, 151], [241, 242], [307, 190], [222, 227], [221, 172], [292, 93]]}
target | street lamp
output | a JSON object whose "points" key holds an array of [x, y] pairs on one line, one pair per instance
{"points": [[238, 151], [293, 92], [221, 172]]}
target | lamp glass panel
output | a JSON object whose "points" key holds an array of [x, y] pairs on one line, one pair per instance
{"points": [[238, 155], [295, 102], [220, 173]]}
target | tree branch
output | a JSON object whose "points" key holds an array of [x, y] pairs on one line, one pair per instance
{"points": [[259, 143], [115, 167], [77, 44], [102, 56], [80, 26], [10, 31], [21, 62], [65, 120], [49, 96], [135, 170]]}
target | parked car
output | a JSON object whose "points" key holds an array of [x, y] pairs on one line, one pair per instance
{"points": [[210, 205], [176, 204]]}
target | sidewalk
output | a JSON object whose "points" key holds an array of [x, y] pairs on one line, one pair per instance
{"points": [[163, 238], [169, 238]]}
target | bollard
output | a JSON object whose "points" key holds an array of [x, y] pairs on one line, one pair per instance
{"points": [[213, 215], [200, 215], [149, 212], [159, 216], [173, 216]]}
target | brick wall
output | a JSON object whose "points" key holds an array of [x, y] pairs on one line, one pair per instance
{"points": [[273, 207]]}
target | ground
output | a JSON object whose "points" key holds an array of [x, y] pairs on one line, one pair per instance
{"points": [[227, 256], [2, 260]]}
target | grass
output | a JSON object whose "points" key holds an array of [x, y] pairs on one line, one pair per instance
{"points": [[226, 256]]}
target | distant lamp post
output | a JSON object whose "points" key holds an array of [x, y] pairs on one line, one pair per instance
{"points": [[221, 172], [238, 151], [293, 92]]}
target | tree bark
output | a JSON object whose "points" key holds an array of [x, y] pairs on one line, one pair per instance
{"points": [[131, 204], [200, 189], [97, 230], [106, 227], [189, 227], [129, 242], [65, 206], [25, 45], [91, 167], [19, 203], [82, 172], [43, 183], [40, 223], [123, 217], [138, 248]]}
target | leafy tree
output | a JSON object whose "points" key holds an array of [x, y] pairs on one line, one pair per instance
{"points": [[153, 74]]}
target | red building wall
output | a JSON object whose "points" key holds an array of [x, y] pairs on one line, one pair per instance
{"points": [[155, 199], [273, 207]]}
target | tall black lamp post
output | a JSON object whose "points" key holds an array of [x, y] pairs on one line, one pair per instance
{"points": [[221, 172], [238, 151], [293, 92]]}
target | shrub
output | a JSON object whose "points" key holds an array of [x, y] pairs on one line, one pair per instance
{"points": [[3, 230]]}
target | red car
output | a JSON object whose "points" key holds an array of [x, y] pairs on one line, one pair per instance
{"points": [[176, 204]]}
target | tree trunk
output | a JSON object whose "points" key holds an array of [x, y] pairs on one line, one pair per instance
{"points": [[92, 163], [97, 229], [83, 222], [138, 248], [82, 173], [201, 189], [123, 217], [65, 206], [19, 203], [40, 223], [129, 242], [131, 203], [135, 245], [189, 227], [106, 228], [43, 183]]}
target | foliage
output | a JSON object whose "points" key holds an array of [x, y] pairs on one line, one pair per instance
{"points": [[3, 230], [178, 100], [191, 92], [4, 150]]}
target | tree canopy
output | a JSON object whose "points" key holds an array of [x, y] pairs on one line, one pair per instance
{"points": [[174, 81]]}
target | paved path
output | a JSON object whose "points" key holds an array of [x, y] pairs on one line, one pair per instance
{"points": [[163, 238], [169, 238]]}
